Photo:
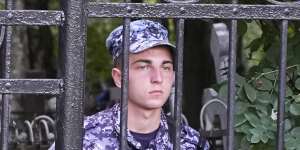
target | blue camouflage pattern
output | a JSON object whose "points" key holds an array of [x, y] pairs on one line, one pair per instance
{"points": [[102, 131], [144, 34]]}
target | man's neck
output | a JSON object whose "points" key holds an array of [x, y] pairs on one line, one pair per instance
{"points": [[143, 121]]}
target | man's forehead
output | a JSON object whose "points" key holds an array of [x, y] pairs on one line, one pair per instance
{"points": [[157, 53]]}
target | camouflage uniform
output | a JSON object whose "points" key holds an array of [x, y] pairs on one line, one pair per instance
{"points": [[102, 132]]}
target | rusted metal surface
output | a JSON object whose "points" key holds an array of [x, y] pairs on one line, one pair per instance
{"points": [[31, 17], [195, 11], [31, 86], [125, 82], [70, 105], [6, 68]]}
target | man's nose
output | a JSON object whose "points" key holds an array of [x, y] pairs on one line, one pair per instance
{"points": [[156, 75]]}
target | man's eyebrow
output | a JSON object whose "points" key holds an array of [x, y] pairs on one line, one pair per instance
{"points": [[167, 62], [149, 62], [142, 61]]}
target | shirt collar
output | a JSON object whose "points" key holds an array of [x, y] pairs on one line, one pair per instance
{"points": [[162, 135]]}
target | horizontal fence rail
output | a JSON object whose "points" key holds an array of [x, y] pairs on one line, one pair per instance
{"points": [[193, 11], [31, 17], [31, 86]]}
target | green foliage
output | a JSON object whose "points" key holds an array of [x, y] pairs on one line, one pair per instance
{"points": [[2, 5], [257, 90], [98, 62], [255, 120]]}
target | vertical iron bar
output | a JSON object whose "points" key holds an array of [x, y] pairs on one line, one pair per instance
{"points": [[124, 92], [178, 81], [125, 77], [282, 84], [231, 85], [231, 80], [70, 107], [6, 73]]}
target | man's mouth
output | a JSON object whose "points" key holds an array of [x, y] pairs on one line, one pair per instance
{"points": [[156, 92]]}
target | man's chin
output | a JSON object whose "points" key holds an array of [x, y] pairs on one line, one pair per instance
{"points": [[154, 103]]}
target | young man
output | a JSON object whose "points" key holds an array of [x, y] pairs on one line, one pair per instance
{"points": [[151, 77]]}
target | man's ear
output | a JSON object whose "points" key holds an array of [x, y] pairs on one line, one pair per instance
{"points": [[117, 76]]}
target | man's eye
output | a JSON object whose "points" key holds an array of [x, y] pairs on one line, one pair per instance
{"points": [[167, 68], [144, 67]]}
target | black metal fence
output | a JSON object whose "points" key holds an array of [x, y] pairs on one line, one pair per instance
{"points": [[69, 86]]}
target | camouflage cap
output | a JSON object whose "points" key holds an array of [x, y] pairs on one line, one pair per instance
{"points": [[144, 34]]}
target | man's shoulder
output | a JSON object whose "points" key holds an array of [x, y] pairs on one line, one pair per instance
{"points": [[192, 137], [101, 119], [100, 130], [189, 134]]}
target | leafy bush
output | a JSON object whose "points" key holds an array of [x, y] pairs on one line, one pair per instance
{"points": [[257, 93]]}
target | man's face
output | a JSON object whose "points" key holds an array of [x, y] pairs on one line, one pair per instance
{"points": [[151, 77]]}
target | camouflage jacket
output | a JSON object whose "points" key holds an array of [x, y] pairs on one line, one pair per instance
{"points": [[102, 132]]}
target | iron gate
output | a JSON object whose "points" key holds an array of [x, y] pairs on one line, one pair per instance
{"points": [[69, 86]]}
